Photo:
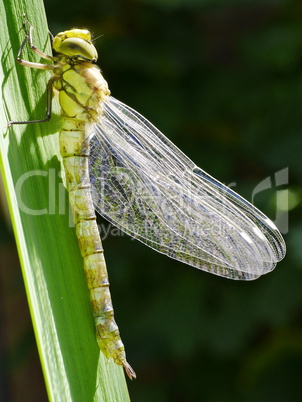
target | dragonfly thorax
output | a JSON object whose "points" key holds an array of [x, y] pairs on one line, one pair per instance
{"points": [[80, 88]]}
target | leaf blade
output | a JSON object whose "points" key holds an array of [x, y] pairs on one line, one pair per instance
{"points": [[73, 366]]}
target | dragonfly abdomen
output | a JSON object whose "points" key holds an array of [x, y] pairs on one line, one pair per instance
{"points": [[80, 93]]}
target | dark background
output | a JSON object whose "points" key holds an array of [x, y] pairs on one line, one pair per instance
{"points": [[223, 82]]}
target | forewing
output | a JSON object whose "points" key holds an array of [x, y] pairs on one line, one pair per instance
{"points": [[144, 185]]}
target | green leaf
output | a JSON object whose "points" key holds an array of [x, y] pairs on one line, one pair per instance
{"points": [[74, 368]]}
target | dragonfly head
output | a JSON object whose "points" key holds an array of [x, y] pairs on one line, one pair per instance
{"points": [[75, 43]]}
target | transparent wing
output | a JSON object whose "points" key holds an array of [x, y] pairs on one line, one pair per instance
{"points": [[144, 185]]}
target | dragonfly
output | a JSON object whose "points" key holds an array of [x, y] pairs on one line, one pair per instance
{"points": [[118, 163]]}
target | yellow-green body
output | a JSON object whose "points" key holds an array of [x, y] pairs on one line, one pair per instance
{"points": [[81, 89]]}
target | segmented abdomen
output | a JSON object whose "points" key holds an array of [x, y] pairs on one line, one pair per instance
{"points": [[81, 89]]}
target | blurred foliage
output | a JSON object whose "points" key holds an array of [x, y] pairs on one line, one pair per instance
{"points": [[223, 80]]}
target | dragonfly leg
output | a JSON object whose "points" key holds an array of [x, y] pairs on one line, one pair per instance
{"points": [[47, 117], [28, 28]]}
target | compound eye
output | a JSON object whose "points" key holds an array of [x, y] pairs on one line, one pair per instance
{"points": [[77, 47]]}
